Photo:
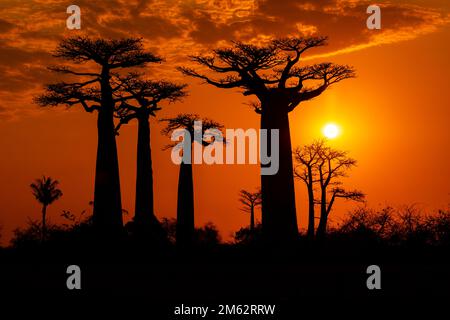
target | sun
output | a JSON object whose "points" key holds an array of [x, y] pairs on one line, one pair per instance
{"points": [[331, 131]]}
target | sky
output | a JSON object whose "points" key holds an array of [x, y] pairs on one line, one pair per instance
{"points": [[393, 117]]}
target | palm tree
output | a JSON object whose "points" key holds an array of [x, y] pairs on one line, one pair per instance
{"points": [[250, 201], [46, 192], [185, 205]]}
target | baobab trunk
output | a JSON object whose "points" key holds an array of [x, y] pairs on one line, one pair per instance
{"points": [[311, 213], [279, 219], [185, 206], [322, 228], [107, 215], [144, 206]]}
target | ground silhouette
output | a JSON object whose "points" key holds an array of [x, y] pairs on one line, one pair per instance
{"points": [[411, 248]]}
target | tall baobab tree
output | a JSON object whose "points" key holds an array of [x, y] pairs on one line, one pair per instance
{"points": [[250, 201], [271, 73], [147, 97], [46, 191], [94, 92], [185, 205], [318, 164]]}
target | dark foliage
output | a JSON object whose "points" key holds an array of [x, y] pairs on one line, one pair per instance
{"points": [[205, 236], [406, 226], [246, 236]]}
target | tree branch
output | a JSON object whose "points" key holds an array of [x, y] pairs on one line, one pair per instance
{"points": [[227, 83], [66, 70]]}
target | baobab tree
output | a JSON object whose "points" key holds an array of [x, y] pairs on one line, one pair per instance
{"points": [[318, 164], [271, 73], [307, 158], [46, 191], [250, 201], [147, 97], [185, 204], [94, 91]]}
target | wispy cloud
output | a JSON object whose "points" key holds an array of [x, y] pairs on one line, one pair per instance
{"points": [[175, 28]]}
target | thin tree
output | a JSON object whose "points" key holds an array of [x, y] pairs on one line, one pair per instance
{"points": [[272, 74], [46, 191], [307, 158], [147, 97], [94, 92], [333, 165], [185, 203], [250, 201]]}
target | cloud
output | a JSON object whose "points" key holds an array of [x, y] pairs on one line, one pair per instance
{"points": [[176, 28], [5, 26], [5, 113], [22, 69]]}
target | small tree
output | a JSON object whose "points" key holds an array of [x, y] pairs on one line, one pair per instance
{"points": [[333, 165], [250, 201], [185, 204], [46, 191], [307, 158], [322, 165]]}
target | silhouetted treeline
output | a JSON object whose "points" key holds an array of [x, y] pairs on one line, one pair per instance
{"points": [[395, 227], [401, 227]]}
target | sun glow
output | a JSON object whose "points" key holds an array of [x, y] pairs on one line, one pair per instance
{"points": [[331, 131]]}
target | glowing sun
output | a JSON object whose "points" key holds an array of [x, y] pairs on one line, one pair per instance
{"points": [[331, 131]]}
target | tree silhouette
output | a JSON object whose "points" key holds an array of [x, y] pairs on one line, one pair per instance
{"points": [[46, 191], [94, 92], [321, 164], [185, 204], [250, 201], [147, 96], [308, 157], [272, 74]]}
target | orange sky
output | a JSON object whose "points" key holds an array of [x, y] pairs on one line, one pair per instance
{"points": [[394, 116]]}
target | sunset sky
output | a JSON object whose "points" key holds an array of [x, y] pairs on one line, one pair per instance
{"points": [[394, 117]]}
